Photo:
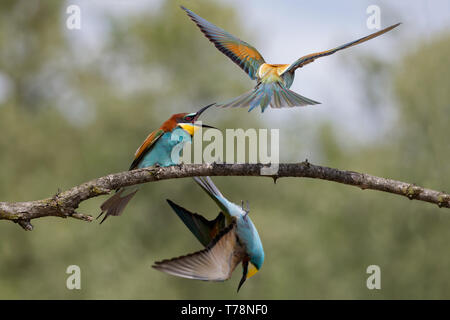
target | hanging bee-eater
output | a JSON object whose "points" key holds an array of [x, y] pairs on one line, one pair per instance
{"points": [[157, 149], [273, 80], [229, 239]]}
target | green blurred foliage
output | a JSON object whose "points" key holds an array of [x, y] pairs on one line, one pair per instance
{"points": [[68, 118]]}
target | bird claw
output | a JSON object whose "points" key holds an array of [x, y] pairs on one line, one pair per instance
{"points": [[247, 211]]}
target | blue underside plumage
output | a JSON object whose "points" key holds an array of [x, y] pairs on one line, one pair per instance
{"points": [[245, 230]]}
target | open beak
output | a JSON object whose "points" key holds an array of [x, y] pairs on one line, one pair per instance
{"points": [[199, 112], [204, 126], [198, 125], [191, 128]]}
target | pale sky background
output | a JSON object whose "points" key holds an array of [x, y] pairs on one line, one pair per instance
{"points": [[284, 30]]}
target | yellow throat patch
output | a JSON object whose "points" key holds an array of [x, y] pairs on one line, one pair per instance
{"points": [[189, 128], [252, 270]]}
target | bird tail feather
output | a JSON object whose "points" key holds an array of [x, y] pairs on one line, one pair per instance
{"points": [[115, 205], [210, 188], [274, 94], [208, 185], [283, 97]]}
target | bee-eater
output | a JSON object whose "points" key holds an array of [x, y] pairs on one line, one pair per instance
{"points": [[157, 149], [229, 239], [273, 80]]}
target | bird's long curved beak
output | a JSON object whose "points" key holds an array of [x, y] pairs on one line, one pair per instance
{"points": [[244, 274], [204, 126], [199, 112], [193, 125], [248, 271]]}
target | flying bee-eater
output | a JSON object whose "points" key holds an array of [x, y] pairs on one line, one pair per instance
{"points": [[157, 149], [273, 80], [229, 239]]}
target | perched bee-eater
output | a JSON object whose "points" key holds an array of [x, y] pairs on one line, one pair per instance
{"points": [[157, 149], [229, 239], [273, 80]]}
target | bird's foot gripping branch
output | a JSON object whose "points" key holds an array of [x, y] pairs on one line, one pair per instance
{"points": [[64, 204]]}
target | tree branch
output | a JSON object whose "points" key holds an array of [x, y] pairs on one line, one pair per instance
{"points": [[64, 204]]}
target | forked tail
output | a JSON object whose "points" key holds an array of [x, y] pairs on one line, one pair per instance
{"points": [[274, 94], [208, 185], [115, 205]]}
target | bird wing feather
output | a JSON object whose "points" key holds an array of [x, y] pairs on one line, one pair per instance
{"points": [[215, 263], [311, 57], [145, 147], [243, 54], [204, 230]]}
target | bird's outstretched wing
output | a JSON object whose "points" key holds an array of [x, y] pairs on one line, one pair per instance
{"points": [[215, 263], [311, 57], [242, 53], [204, 230], [145, 146]]}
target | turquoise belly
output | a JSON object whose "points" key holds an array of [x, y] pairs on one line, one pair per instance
{"points": [[166, 151]]}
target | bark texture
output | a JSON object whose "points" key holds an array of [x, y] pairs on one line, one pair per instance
{"points": [[64, 204]]}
